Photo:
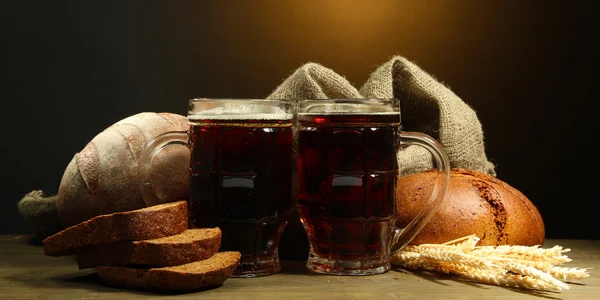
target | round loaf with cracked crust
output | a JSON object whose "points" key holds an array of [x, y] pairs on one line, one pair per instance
{"points": [[476, 203], [102, 178]]}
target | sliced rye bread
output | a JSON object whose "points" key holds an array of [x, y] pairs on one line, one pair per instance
{"points": [[141, 224], [186, 247], [200, 274]]}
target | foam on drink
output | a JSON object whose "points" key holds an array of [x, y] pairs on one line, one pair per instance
{"points": [[232, 111]]}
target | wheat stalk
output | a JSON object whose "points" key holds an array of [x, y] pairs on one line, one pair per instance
{"points": [[511, 280], [532, 253], [567, 273], [528, 267]]}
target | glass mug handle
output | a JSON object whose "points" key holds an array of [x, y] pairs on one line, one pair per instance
{"points": [[404, 236], [145, 162]]}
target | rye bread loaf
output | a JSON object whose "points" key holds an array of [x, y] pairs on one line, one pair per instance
{"points": [[186, 247], [103, 178], [476, 203], [142, 224], [200, 274]]}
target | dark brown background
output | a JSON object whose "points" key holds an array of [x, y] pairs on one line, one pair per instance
{"points": [[528, 68]]}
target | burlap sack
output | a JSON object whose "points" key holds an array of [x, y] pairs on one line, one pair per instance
{"points": [[313, 81], [426, 105], [40, 213]]}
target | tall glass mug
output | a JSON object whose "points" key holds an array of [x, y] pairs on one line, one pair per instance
{"points": [[240, 175], [347, 172]]}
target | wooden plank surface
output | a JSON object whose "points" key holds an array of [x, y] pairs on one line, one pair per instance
{"points": [[25, 273]]}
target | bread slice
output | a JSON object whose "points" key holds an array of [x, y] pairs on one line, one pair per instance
{"points": [[141, 224], [200, 274], [188, 246]]}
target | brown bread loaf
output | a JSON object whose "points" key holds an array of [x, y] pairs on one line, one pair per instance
{"points": [[142, 224], [200, 274], [476, 203], [102, 178], [186, 247]]}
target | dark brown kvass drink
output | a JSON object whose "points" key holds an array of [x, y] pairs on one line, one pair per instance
{"points": [[241, 182], [347, 172]]}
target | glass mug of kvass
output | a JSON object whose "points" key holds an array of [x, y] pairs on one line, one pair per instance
{"points": [[241, 169], [347, 171]]}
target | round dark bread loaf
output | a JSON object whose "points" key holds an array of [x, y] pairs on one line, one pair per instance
{"points": [[476, 203]]}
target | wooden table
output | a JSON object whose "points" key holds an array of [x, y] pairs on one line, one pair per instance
{"points": [[25, 273]]}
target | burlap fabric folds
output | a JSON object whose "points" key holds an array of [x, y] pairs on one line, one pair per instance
{"points": [[426, 105]]}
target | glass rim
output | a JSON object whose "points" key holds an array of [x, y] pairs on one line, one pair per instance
{"points": [[236, 99], [377, 101], [349, 106], [239, 109]]}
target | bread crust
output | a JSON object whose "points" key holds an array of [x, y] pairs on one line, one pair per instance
{"points": [[210, 272], [476, 203], [102, 178], [146, 223], [189, 246]]}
